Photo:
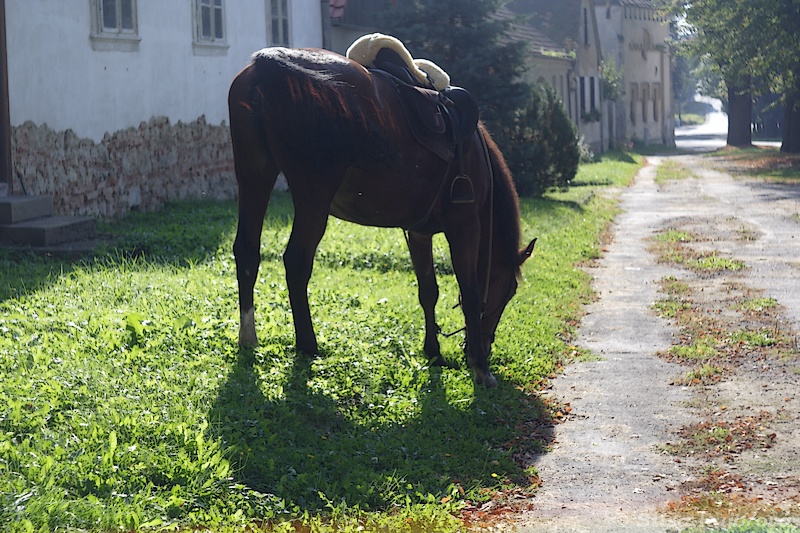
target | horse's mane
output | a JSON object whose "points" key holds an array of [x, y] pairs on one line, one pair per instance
{"points": [[507, 228], [311, 97]]}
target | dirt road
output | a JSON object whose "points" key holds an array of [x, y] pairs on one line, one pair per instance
{"points": [[630, 447]]}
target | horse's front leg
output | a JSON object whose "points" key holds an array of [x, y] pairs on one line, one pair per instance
{"points": [[421, 249], [310, 220], [464, 253]]}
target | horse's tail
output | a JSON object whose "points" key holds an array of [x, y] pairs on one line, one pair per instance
{"points": [[319, 116]]}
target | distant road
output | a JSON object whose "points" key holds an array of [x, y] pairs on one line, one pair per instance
{"points": [[710, 136], [706, 137]]}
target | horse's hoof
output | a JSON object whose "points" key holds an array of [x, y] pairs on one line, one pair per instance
{"points": [[247, 330], [247, 341], [437, 361], [488, 380]]}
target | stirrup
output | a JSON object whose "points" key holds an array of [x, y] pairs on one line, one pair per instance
{"points": [[461, 191]]}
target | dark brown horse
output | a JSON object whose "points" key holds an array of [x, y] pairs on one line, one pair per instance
{"points": [[339, 135]]}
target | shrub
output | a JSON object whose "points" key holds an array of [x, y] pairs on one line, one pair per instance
{"points": [[542, 144]]}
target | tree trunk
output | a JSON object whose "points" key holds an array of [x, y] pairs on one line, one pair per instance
{"points": [[740, 111], [791, 123]]}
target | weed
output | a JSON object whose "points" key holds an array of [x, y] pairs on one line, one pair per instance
{"points": [[760, 338], [670, 308], [672, 170], [712, 262], [705, 374], [672, 235], [724, 439], [756, 305]]}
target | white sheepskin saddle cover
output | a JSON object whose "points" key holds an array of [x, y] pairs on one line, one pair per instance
{"points": [[365, 49]]}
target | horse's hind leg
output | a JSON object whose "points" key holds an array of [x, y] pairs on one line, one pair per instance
{"points": [[256, 173], [311, 208], [421, 249]]}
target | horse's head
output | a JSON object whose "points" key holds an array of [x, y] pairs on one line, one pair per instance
{"points": [[503, 281]]}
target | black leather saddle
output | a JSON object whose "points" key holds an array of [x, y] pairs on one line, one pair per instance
{"points": [[442, 121]]}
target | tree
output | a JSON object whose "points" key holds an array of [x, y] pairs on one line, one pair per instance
{"points": [[466, 39], [778, 48], [714, 43], [463, 38], [755, 45]]}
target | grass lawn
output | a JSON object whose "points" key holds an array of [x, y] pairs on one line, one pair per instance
{"points": [[126, 405], [761, 162]]}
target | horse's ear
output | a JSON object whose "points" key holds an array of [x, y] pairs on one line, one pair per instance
{"points": [[526, 252]]}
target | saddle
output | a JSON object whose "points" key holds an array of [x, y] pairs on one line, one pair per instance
{"points": [[441, 120], [441, 117]]}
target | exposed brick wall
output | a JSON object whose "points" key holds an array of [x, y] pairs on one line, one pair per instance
{"points": [[136, 168]]}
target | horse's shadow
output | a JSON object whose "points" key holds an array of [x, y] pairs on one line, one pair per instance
{"points": [[310, 449]]}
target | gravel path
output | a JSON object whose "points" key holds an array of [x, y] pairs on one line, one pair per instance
{"points": [[607, 470]]}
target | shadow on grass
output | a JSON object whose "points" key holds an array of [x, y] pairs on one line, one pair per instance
{"points": [[178, 235], [760, 162], [309, 448]]}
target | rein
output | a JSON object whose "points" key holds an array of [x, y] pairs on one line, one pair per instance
{"points": [[491, 244]]}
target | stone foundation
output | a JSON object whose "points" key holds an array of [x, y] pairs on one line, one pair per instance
{"points": [[136, 168]]}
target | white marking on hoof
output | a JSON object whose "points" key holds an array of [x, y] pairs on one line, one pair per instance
{"points": [[247, 328], [488, 380]]}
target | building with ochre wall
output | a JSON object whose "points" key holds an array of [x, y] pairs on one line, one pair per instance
{"points": [[636, 35]]}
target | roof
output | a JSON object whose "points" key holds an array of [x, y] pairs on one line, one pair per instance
{"points": [[519, 31], [636, 3], [559, 20]]}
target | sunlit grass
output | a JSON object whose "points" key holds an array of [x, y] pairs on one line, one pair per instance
{"points": [[125, 403], [671, 170]]}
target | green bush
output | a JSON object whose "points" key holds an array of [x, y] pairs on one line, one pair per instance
{"points": [[542, 145]]}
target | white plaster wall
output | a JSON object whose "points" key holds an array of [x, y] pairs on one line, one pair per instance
{"points": [[306, 21], [56, 78]]}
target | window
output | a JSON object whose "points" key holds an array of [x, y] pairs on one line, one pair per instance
{"points": [[585, 26], [583, 95], [656, 90], [209, 27], [634, 98], [279, 22], [114, 25], [592, 102], [645, 98]]}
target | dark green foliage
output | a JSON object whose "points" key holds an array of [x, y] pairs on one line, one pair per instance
{"points": [[544, 152], [462, 37]]}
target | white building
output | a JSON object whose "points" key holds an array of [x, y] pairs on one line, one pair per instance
{"points": [[128, 99], [636, 36], [571, 25]]}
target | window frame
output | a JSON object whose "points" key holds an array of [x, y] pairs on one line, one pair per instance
{"points": [[634, 99], [205, 45], [117, 39], [284, 23]]}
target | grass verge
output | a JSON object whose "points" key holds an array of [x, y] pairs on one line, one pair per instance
{"points": [[765, 163], [125, 403]]}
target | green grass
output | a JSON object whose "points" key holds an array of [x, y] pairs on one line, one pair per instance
{"points": [[125, 403], [701, 349], [704, 373], [671, 170], [760, 338], [767, 163], [757, 305], [749, 526], [670, 246], [713, 262]]}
